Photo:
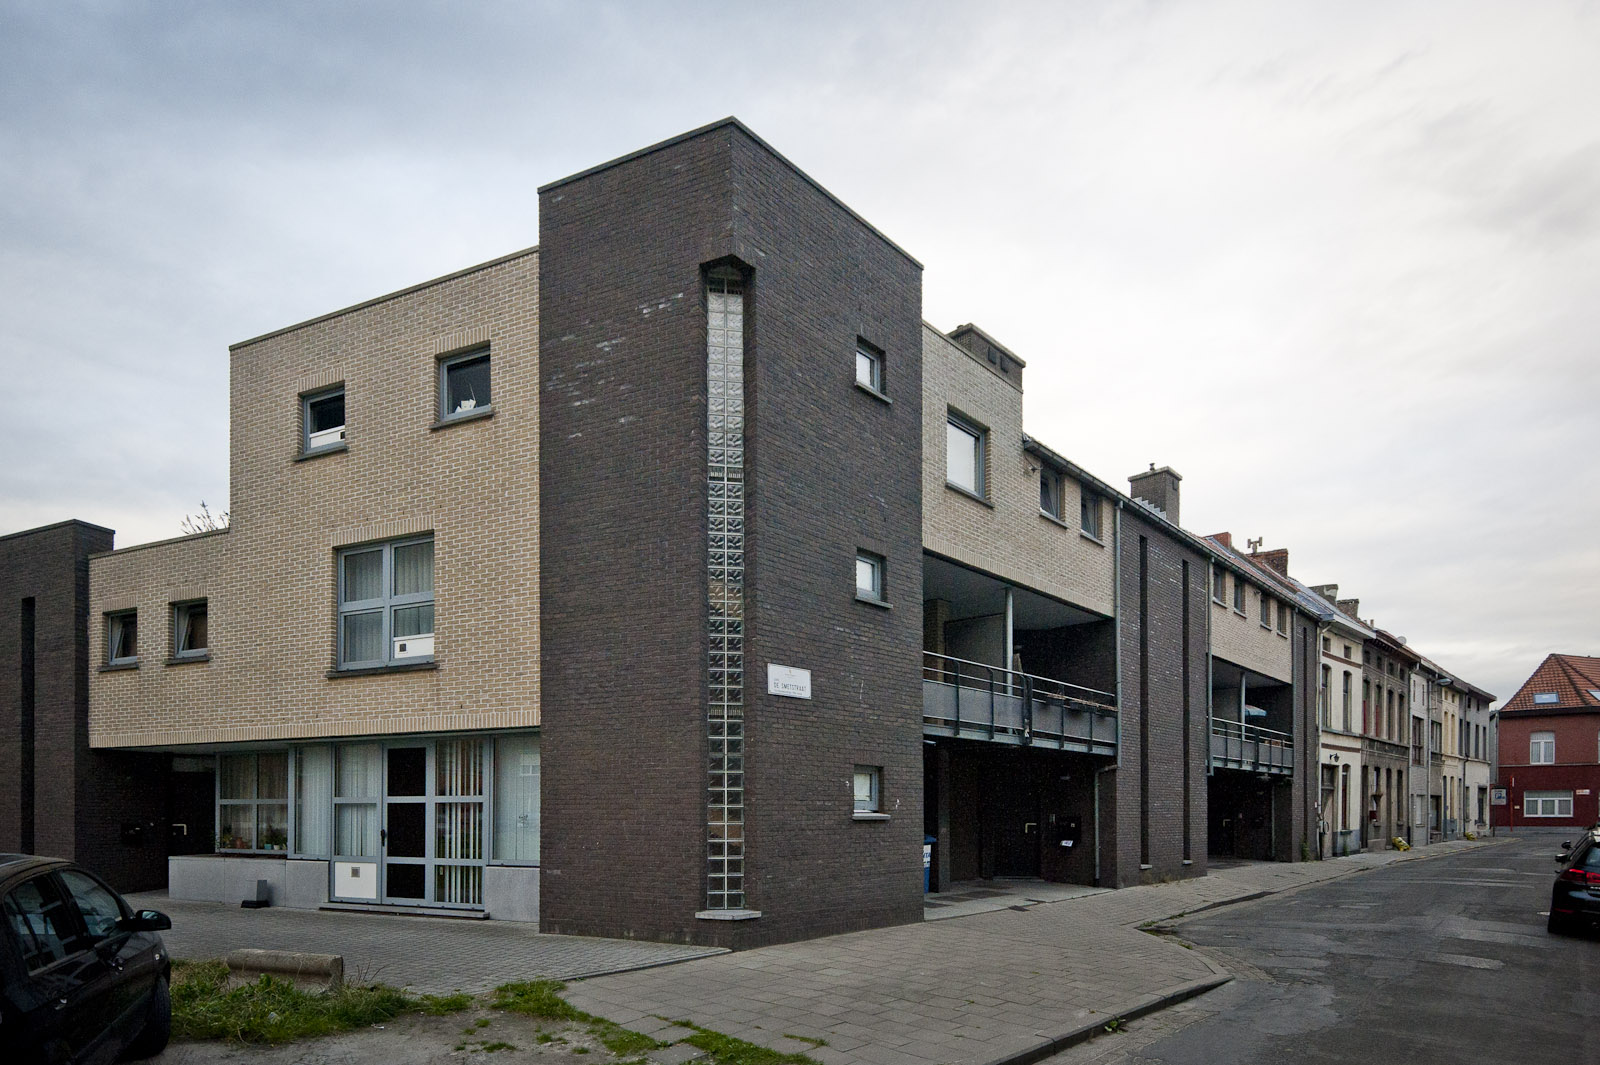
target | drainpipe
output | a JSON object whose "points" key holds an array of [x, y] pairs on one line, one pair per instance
{"points": [[1116, 650], [1011, 632]]}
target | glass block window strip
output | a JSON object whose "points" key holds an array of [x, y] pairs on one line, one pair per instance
{"points": [[725, 609]]}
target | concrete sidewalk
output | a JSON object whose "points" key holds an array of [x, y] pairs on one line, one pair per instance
{"points": [[995, 987], [427, 954]]}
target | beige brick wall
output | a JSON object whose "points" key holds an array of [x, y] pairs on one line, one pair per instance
{"points": [[1010, 538], [270, 580], [1241, 639]]}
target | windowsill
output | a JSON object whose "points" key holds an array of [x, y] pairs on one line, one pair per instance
{"points": [[184, 660], [118, 667], [1219, 602], [874, 393], [1236, 610], [1052, 519], [870, 601], [396, 667], [476, 414], [282, 853], [969, 493], [869, 817], [1282, 635], [1091, 537], [317, 453], [1267, 626], [727, 915]]}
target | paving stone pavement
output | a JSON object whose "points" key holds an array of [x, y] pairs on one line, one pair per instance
{"points": [[426, 954], [980, 990]]}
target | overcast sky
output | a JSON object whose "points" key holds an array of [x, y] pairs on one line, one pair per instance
{"points": [[1337, 263]]}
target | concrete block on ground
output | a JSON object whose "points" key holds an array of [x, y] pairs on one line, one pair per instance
{"points": [[312, 972]]}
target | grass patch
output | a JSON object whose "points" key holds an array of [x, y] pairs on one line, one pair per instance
{"points": [[275, 1011], [806, 1039], [542, 998], [726, 1050]]}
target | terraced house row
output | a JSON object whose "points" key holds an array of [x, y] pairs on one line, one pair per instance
{"points": [[676, 579]]}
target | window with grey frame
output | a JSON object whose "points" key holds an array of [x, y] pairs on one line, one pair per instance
{"points": [[122, 638], [386, 603], [464, 385], [1089, 513], [867, 788], [191, 636], [1050, 492], [869, 366], [1238, 595], [322, 419], [966, 447], [869, 576], [1219, 586]]}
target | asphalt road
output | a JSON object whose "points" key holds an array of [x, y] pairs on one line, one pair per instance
{"points": [[1444, 960]]}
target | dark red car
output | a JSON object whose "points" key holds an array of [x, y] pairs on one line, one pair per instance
{"points": [[83, 979]]}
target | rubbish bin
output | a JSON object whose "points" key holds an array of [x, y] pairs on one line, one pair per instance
{"points": [[927, 861]]}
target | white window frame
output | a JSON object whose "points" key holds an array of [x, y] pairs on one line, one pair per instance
{"points": [[1542, 748], [386, 604], [869, 358], [453, 362], [867, 800], [971, 438], [182, 628], [1547, 804], [326, 438], [116, 620], [875, 566]]}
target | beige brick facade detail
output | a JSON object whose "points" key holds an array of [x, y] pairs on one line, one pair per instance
{"points": [[1244, 641], [1010, 537], [270, 581]]}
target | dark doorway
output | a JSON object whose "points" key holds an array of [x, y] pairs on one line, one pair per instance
{"points": [[1014, 822]]}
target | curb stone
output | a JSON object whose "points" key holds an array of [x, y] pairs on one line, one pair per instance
{"points": [[1160, 1000]]}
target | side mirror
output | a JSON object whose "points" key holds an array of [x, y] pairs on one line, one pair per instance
{"points": [[146, 921]]}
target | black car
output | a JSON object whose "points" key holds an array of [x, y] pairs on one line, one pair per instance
{"points": [[1575, 898], [83, 979]]}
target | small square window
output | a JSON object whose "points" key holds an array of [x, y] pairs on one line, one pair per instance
{"points": [[965, 446], [190, 631], [464, 384], [868, 789], [1347, 650], [122, 638], [1089, 513], [322, 419], [869, 366], [1050, 493], [869, 576]]}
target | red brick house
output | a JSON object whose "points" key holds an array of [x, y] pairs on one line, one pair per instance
{"points": [[1550, 747]]}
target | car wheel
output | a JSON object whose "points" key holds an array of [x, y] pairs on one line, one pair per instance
{"points": [[1558, 925], [157, 1029]]}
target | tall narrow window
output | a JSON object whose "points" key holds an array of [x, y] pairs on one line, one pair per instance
{"points": [[965, 444], [1266, 611], [516, 798], [122, 638], [1346, 703], [313, 799], [1089, 513], [1324, 698], [1238, 595], [322, 419], [1050, 492], [1219, 585], [725, 559], [464, 384], [386, 604]]}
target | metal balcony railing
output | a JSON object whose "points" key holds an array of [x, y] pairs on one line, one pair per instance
{"points": [[1262, 750], [973, 700]]}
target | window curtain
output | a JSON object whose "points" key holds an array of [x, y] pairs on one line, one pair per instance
{"points": [[516, 798], [313, 796], [413, 569]]}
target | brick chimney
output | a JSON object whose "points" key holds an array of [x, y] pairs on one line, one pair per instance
{"points": [[1223, 538], [1276, 560], [1330, 592], [1351, 607], [1159, 488]]}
